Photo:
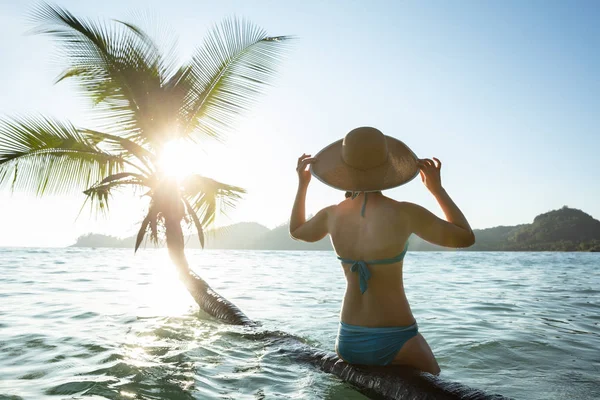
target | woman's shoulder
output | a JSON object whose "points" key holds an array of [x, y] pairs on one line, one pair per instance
{"points": [[327, 211], [411, 208], [401, 205], [406, 209]]}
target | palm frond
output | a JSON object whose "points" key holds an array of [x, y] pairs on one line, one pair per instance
{"points": [[116, 64], [44, 156], [190, 211], [232, 67], [126, 178], [149, 222], [150, 27], [125, 147], [205, 196], [99, 194], [141, 233]]}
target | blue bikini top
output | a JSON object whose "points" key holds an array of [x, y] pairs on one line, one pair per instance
{"points": [[361, 266]]}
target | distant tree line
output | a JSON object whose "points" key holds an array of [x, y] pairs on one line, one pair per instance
{"points": [[566, 229]]}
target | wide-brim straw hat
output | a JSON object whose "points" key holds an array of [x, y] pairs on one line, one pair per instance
{"points": [[365, 160]]}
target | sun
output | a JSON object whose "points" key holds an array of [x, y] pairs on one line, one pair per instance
{"points": [[178, 159]]}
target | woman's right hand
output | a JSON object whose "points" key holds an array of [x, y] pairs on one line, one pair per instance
{"points": [[304, 174], [430, 174], [455, 231]]}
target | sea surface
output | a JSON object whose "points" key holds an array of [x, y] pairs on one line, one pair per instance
{"points": [[105, 323]]}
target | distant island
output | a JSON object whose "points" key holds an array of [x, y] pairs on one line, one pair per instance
{"points": [[566, 229]]}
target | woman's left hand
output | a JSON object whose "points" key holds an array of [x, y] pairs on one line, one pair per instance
{"points": [[430, 174], [304, 174]]}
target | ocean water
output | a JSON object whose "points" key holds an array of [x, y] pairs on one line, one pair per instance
{"points": [[105, 323]]}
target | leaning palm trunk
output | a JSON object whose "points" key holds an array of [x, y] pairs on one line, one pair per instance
{"points": [[144, 99], [209, 301], [388, 382]]}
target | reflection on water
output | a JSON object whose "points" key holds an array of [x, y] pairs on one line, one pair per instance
{"points": [[105, 324]]}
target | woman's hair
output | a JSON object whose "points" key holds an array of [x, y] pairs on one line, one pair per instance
{"points": [[349, 194]]}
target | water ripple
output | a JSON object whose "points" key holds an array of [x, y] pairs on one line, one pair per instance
{"points": [[105, 323]]}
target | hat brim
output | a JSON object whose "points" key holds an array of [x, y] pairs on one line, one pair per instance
{"points": [[400, 168]]}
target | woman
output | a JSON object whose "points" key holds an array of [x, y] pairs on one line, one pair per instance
{"points": [[369, 232]]}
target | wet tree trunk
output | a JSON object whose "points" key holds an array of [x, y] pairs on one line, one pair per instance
{"points": [[209, 301]]}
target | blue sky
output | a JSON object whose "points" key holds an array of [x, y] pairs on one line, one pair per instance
{"points": [[505, 93]]}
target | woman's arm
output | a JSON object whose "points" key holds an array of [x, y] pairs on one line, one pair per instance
{"points": [[316, 228], [455, 231]]}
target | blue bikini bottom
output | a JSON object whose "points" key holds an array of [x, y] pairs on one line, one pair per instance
{"points": [[372, 346]]}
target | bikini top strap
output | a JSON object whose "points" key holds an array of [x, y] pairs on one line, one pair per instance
{"points": [[392, 260], [364, 206]]}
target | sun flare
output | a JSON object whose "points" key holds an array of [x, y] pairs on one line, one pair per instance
{"points": [[179, 159]]}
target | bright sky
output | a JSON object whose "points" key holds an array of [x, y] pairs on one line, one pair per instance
{"points": [[506, 94]]}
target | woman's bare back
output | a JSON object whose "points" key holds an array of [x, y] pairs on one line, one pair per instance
{"points": [[380, 234]]}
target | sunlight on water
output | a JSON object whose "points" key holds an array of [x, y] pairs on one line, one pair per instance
{"points": [[162, 294], [82, 323]]}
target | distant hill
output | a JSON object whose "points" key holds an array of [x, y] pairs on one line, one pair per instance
{"points": [[238, 236], [566, 229], [98, 240], [279, 239]]}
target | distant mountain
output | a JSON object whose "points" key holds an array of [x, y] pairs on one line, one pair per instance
{"points": [[566, 229], [493, 238], [238, 236], [279, 239], [98, 240]]}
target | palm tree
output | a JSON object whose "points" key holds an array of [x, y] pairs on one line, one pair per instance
{"points": [[143, 100]]}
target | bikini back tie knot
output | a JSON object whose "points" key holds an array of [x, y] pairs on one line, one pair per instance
{"points": [[363, 272], [362, 267]]}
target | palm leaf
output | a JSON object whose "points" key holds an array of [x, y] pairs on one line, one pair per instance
{"points": [[44, 156], [98, 194], [121, 178], [126, 147], [141, 233], [232, 67], [116, 64], [206, 196], [156, 33], [149, 222], [196, 220]]}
